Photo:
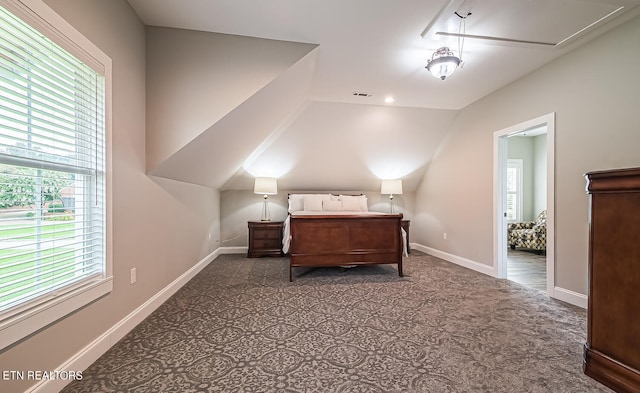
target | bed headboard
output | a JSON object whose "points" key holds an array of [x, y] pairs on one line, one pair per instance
{"points": [[328, 202]]}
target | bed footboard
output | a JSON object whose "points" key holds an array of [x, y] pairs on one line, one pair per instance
{"points": [[318, 240]]}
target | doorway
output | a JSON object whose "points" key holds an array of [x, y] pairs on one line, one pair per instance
{"points": [[509, 205]]}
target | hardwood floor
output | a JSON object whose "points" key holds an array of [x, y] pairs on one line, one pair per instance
{"points": [[527, 268]]}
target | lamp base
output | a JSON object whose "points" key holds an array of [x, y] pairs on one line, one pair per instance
{"points": [[266, 216]]}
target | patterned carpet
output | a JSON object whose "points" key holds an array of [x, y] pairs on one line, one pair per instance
{"points": [[240, 326]]}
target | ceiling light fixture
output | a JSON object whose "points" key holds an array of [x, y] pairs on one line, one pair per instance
{"points": [[442, 63]]}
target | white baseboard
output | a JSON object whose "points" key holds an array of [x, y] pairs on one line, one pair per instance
{"points": [[89, 354], [233, 250], [571, 297], [565, 295], [468, 263]]}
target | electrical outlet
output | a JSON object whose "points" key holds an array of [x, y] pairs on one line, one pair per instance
{"points": [[133, 275], [444, 236]]}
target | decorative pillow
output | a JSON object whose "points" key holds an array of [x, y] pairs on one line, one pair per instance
{"points": [[324, 197], [296, 203], [331, 206], [350, 203], [364, 205], [313, 203], [362, 200]]}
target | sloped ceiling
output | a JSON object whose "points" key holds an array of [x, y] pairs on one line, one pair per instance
{"points": [[238, 89], [213, 156], [335, 146], [198, 79]]}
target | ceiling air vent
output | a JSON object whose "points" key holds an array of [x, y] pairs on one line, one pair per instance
{"points": [[361, 94]]}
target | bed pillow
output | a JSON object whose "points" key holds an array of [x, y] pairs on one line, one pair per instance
{"points": [[313, 203], [296, 203], [331, 206], [350, 203], [362, 200], [364, 204]]}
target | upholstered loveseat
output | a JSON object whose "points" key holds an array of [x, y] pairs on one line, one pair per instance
{"points": [[529, 234]]}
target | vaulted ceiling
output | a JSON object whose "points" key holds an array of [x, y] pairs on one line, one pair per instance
{"points": [[282, 102]]}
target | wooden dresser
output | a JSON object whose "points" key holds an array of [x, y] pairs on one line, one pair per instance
{"points": [[612, 351], [265, 239]]}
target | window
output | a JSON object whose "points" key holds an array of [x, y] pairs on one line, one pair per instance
{"points": [[514, 190], [53, 174]]}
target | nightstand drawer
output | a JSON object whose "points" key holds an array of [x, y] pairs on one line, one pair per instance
{"points": [[266, 233], [261, 244]]}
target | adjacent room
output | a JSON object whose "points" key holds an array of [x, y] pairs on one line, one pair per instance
{"points": [[312, 196], [527, 208]]}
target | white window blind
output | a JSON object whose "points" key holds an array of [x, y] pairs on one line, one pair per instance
{"points": [[52, 170]]}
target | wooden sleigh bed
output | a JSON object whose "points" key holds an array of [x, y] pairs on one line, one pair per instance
{"points": [[346, 239]]}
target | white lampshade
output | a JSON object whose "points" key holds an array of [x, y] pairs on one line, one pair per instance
{"points": [[266, 186], [391, 187]]}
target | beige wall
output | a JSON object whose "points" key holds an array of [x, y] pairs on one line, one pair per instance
{"points": [[238, 207], [521, 147], [539, 174], [339, 146], [596, 128], [160, 227]]}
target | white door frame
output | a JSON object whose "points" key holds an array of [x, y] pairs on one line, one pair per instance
{"points": [[499, 196]]}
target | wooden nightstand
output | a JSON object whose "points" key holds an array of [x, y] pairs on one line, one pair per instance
{"points": [[265, 239], [405, 225]]}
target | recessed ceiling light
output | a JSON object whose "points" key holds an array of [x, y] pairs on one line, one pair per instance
{"points": [[389, 99]]}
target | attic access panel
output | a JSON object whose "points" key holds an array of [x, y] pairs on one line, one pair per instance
{"points": [[550, 23]]}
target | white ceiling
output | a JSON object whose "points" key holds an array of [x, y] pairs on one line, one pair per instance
{"points": [[379, 47], [375, 46]]}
